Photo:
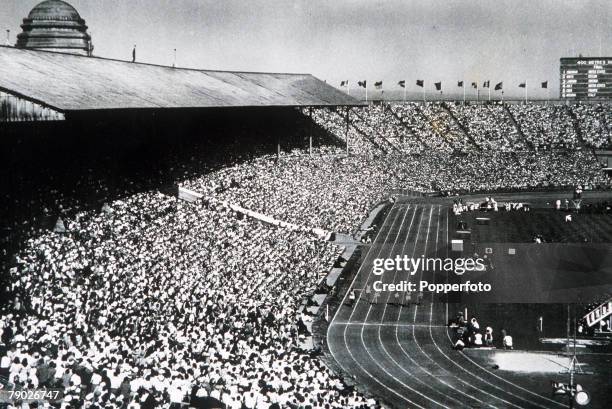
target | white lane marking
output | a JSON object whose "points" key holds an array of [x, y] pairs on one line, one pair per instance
{"points": [[366, 319], [422, 368], [467, 384], [381, 324], [387, 324], [356, 303], [510, 383], [414, 322]]}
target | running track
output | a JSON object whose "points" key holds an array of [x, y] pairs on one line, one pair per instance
{"points": [[402, 353]]}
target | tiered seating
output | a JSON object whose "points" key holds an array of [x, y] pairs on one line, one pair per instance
{"points": [[546, 126], [489, 126], [595, 123]]}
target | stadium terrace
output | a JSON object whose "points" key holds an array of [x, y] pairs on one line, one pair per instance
{"points": [[166, 300], [176, 238]]}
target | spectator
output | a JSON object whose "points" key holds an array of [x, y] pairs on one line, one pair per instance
{"points": [[154, 300]]}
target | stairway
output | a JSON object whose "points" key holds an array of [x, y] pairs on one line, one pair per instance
{"points": [[461, 126], [407, 127], [391, 144], [518, 128], [427, 120], [360, 132], [581, 140]]}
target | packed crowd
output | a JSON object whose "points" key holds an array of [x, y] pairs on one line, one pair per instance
{"points": [[443, 124], [154, 301], [334, 122], [595, 122], [546, 126], [420, 125], [490, 126], [334, 193], [387, 121], [514, 171], [415, 127]]}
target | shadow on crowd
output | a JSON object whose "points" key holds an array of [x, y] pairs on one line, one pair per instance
{"points": [[51, 170]]}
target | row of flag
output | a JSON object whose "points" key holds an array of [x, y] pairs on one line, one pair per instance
{"points": [[421, 83]]}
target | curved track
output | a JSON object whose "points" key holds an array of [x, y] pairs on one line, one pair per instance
{"points": [[402, 351]]}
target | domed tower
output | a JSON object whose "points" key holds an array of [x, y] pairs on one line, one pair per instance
{"points": [[55, 25]]}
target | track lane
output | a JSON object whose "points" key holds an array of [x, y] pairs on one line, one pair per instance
{"points": [[429, 378], [376, 313], [368, 352], [428, 347], [446, 382], [404, 353], [337, 334]]}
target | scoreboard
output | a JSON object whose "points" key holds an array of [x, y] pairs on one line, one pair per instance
{"points": [[586, 78]]}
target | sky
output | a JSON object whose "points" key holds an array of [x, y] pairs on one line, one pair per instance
{"points": [[434, 40]]}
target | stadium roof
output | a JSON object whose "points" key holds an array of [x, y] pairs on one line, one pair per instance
{"points": [[74, 83]]}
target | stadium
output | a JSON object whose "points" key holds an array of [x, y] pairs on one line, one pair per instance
{"points": [[180, 237]]}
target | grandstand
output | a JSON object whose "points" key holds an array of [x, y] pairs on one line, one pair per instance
{"points": [[182, 238], [112, 215]]}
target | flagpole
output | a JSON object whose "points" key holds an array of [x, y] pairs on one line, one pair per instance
{"points": [[366, 88], [502, 96], [348, 88], [489, 92], [464, 93], [525, 92], [404, 92], [477, 93]]}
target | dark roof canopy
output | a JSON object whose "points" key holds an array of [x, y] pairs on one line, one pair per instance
{"points": [[71, 83]]}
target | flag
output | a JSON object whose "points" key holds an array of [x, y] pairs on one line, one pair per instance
{"points": [[474, 85], [486, 84], [438, 86], [344, 83], [402, 84], [545, 84], [460, 84], [420, 83], [362, 83], [499, 85], [378, 84], [523, 85]]}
